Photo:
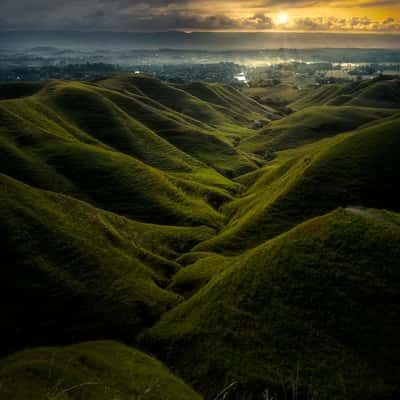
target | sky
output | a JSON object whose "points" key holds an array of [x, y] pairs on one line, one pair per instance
{"points": [[351, 16]]}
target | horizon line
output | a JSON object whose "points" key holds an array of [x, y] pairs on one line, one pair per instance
{"points": [[190, 31]]}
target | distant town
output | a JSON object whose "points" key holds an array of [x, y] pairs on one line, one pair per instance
{"points": [[301, 68]]}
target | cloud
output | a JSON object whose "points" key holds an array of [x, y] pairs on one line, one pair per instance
{"points": [[160, 15], [352, 24], [326, 3], [187, 21]]}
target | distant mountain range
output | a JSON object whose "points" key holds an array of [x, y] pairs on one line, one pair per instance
{"points": [[196, 40]]}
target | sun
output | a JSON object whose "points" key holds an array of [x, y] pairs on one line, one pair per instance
{"points": [[283, 18]]}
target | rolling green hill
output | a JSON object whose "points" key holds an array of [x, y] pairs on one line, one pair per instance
{"points": [[310, 125], [211, 103], [131, 124], [281, 94], [230, 101], [356, 168], [72, 272], [381, 93], [177, 99], [15, 90], [49, 148], [255, 263], [168, 111], [90, 371], [312, 313]]}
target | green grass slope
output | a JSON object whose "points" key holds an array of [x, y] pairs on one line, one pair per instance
{"points": [[278, 95], [356, 168], [133, 124], [177, 99], [310, 314], [91, 371], [230, 101], [322, 95], [90, 110], [15, 90], [72, 272], [42, 149], [310, 125], [384, 93], [113, 118], [202, 268], [210, 139], [380, 94]]}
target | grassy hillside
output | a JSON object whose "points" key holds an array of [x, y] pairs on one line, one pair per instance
{"points": [[19, 89], [310, 314], [382, 93], [310, 125], [177, 99], [73, 272], [133, 124], [281, 94], [90, 371], [93, 112], [357, 168], [230, 101], [156, 215], [201, 268], [128, 124], [211, 103], [166, 109], [44, 148], [379, 94]]}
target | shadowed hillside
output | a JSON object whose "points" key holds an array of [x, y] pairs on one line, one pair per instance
{"points": [[376, 93], [93, 371], [356, 168], [313, 311], [310, 125], [255, 263], [43, 147], [106, 273], [171, 112], [229, 101]]}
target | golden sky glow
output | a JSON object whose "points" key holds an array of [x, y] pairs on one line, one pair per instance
{"points": [[282, 18], [342, 15], [381, 16]]}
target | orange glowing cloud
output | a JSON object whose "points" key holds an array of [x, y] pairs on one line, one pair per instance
{"points": [[381, 16]]}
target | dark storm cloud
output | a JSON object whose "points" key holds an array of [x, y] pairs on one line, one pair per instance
{"points": [[119, 15], [177, 20]]}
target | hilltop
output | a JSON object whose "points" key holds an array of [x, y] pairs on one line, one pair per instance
{"points": [[310, 125], [253, 248], [94, 371], [50, 141], [311, 311], [112, 269], [356, 168], [381, 93]]}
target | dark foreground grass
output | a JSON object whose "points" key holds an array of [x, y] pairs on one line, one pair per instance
{"points": [[72, 272], [91, 371], [313, 312]]}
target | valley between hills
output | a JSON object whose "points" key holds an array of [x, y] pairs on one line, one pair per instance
{"points": [[184, 241]]}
